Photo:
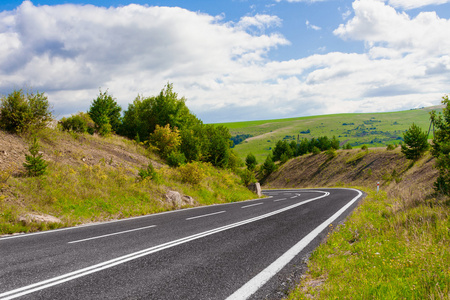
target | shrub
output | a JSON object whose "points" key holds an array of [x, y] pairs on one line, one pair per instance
{"points": [[269, 166], [35, 164], [149, 173], [192, 173], [176, 159], [347, 146], [250, 162], [21, 113], [247, 176], [315, 150], [167, 140], [364, 147], [390, 147], [79, 123]]}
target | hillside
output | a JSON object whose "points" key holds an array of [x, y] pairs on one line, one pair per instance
{"points": [[357, 168], [91, 178], [372, 129], [394, 245]]}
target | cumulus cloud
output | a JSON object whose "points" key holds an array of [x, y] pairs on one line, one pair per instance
{"points": [[222, 68], [410, 4]]}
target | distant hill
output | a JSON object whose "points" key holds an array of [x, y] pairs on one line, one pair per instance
{"points": [[371, 129]]}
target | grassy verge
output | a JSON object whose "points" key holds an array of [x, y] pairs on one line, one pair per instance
{"points": [[389, 248], [89, 193]]}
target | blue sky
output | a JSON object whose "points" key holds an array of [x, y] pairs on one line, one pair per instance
{"points": [[232, 60]]}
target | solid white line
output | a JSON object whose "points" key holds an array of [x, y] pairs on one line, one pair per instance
{"points": [[252, 205], [207, 215], [265, 275], [279, 200], [120, 260], [115, 233]]}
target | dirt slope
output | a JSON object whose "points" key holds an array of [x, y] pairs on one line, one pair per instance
{"points": [[62, 147], [357, 168]]}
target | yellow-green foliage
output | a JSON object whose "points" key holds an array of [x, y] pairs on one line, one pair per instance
{"points": [[100, 192], [388, 249]]}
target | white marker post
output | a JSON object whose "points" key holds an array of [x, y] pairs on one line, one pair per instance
{"points": [[378, 187]]}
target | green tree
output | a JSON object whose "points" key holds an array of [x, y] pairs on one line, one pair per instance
{"points": [[218, 146], [269, 166], [441, 147], [416, 142], [106, 113], [166, 140], [250, 162], [22, 113], [35, 164], [81, 123]]}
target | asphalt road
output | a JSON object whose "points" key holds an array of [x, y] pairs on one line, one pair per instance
{"points": [[245, 250]]}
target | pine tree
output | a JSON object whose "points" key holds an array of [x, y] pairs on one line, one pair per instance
{"points": [[35, 164], [416, 142]]}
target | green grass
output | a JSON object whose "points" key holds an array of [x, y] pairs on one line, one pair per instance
{"points": [[100, 192], [387, 249], [371, 129]]}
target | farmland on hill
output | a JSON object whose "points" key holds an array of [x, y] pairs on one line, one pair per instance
{"points": [[371, 129]]}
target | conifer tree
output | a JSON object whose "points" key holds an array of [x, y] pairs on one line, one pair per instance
{"points": [[35, 164]]}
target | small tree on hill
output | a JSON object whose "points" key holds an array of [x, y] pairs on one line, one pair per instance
{"points": [[35, 164], [441, 147], [250, 162], [105, 112], [22, 113], [416, 142]]}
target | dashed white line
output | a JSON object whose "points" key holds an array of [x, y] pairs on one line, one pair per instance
{"points": [[252, 205], [115, 233], [207, 215], [282, 199]]}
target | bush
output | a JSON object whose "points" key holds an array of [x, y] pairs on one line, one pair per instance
{"points": [[347, 146], [166, 140], [149, 173], [80, 123], [250, 162], [315, 150], [269, 166], [176, 159], [192, 173], [364, 147], [390, 147], [247, 176], [35, 164], [21, 113]]}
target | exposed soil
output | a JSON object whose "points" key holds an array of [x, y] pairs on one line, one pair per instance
{"points": [[63, 148], [357, 168]]}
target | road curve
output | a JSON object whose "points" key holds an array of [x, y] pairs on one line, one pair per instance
{"points": [[243, 250]]}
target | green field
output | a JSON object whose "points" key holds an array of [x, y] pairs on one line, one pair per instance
{"points": [[371, 129]]}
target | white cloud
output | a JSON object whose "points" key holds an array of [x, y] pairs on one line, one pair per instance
{"points": [[410, 4], [311, 26], [222, 68]]}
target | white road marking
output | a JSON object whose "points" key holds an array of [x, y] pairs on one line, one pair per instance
{"points": [[115, 233], [132, 256], [252, 205], [265, 275], [207, 215], [282, 199]]}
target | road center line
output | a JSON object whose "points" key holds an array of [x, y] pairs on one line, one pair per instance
{"points": [[207, 215], [115, 233], [132, 256], [252, 205], [282, 199], [265, 275]]}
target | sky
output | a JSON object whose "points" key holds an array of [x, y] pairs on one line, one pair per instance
{"points": [[233, 60]]}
